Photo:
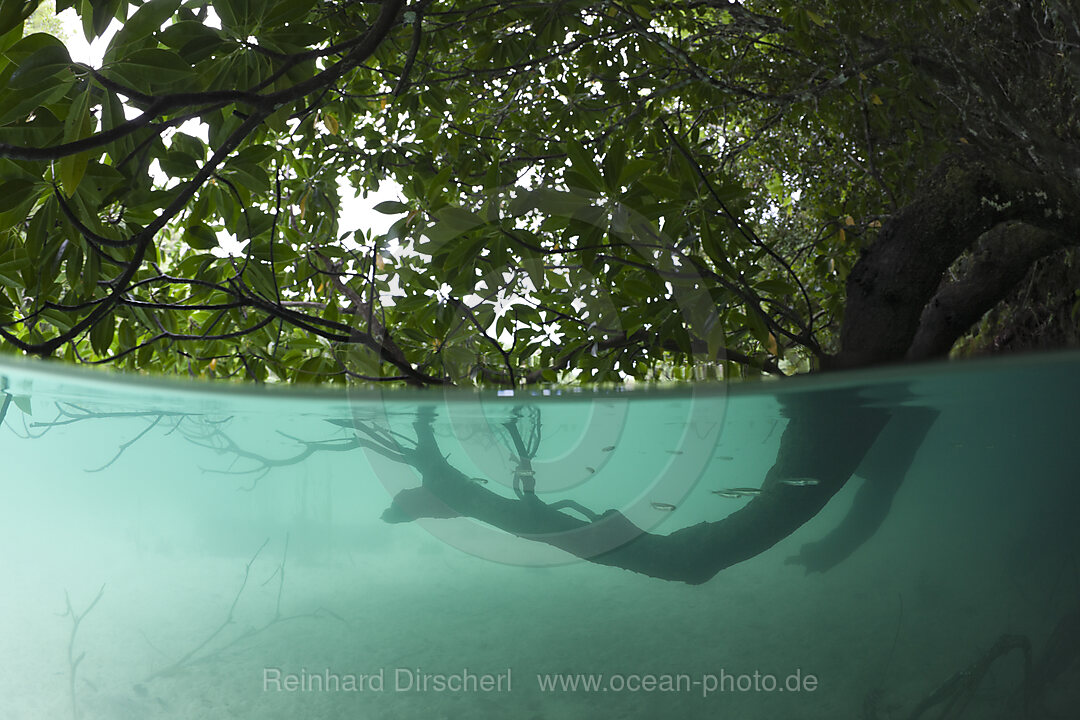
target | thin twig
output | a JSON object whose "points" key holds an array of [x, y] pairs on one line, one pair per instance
{"points": [[224, 624], [73, 662], [129, 443]]}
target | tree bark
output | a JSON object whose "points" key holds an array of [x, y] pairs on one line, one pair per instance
{"points": [[1003, 257], [896, 278]]}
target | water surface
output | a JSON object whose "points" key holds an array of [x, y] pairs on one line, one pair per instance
{"points": [[241, 554]]}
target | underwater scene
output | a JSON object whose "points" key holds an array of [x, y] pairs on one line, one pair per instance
{"points": [[879, 545]]}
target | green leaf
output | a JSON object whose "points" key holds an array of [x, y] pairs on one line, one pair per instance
{"points": [[14, 193], [256, 154], [151, 69], [146, 21], [126, 334], [661, 186], [31, 44], [614, 162], [633, 169], [288, 11], [293, 38], [775, 288], [39, 66], [101, 334], [535, 268], [755, 323], [635, 285], [194, 41], [178, 164], [585, 170], [249, 175], [11, 264], [236, 15], [453, 221], [8, 39], [189, 145], [311, 370], [73, 266], [200, 237], [17, 105], [112, 115], [97, 15], [716, 339], [263, 249], [261, 280], [78, 125], [460, 259], [555, 203], [13, 12], [391, 207]]}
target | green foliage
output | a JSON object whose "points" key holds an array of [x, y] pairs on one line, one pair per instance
{"points": [[590, 190]]}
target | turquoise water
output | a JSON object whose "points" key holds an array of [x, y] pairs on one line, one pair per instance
{"points": [[282, 555]]}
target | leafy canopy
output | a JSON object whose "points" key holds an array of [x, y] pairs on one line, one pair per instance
{"points": [[589, 190]]}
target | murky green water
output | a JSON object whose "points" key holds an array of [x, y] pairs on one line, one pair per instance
{"points": [[269, 555]]}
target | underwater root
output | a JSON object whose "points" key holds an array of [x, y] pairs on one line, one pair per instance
{"points": [[955, 694], [951, 698], [203, 652]]}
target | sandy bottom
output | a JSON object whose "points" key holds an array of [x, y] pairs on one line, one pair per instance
{"points": [[157, 645]]}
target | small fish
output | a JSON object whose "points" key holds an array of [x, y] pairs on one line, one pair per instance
{"points": [[674, 452], [590, 469], [723, 457], [666, 507], [482, 481], [609, 448], [738, 492], [801, 482], [726, 494]]}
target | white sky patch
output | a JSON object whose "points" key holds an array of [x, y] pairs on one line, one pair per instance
{"points": [[358, 213], [195, 128], [228, 245], [92, 53], [78, 48]]}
